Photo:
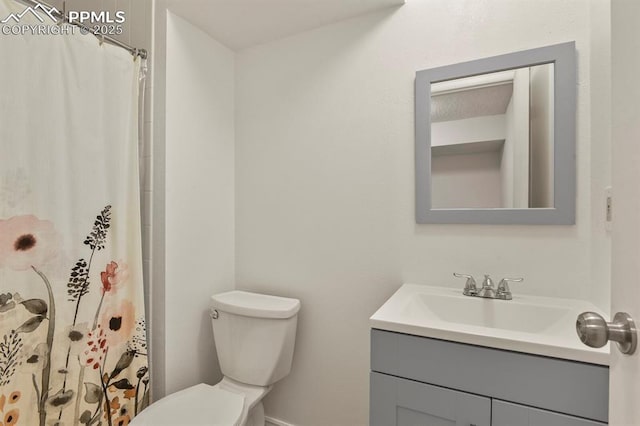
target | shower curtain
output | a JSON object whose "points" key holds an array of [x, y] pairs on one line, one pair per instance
{"points": [[72, 330]]}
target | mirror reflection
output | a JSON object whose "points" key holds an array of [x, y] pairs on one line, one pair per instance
{"points": [[492, 140]]}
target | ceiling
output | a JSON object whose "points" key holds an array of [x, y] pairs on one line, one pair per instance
{"points": [[239, 24], [470, 103]]}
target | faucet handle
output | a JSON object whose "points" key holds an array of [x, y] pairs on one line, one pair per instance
{"points": [[470, 287], [503, 291]]}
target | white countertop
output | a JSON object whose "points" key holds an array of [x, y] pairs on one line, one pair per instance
{"points": [[529, 324]]}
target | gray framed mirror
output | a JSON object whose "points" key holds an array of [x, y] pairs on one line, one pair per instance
{"points": [[495, 139]]}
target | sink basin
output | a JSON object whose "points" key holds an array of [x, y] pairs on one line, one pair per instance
{"points": [[476, 311], [530, 324]]}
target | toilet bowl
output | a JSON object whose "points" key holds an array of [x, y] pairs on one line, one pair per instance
{"points": [[255, 336], [228, 403]]}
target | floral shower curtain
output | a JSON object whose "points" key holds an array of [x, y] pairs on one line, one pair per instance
{"points": [[72, 331]]}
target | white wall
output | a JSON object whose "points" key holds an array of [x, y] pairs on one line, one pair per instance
{"points": [[515, 155], [600, 171], [468, 130], [542, 136], [199, 198], [466, 181], [325, 191], [465, 162]]}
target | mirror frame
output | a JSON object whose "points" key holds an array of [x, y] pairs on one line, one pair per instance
{"points": [[563, 57]]}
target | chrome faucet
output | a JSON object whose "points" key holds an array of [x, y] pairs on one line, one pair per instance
{"points": [[487, 290], [502, 292]]}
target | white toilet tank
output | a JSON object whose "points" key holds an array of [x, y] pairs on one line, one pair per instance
{"points": [[254, 335]]}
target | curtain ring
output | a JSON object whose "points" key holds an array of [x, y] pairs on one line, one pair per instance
{"points": [[63, 20]]}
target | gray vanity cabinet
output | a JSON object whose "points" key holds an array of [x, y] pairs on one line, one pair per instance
{"points": [[508, 414], [429, 382], [402, 402]]}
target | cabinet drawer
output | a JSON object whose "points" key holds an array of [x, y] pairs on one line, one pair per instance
{"points": [[508, 414], [563, 386], [401, 402]]}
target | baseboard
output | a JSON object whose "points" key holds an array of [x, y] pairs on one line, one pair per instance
{"points": [[270, 421]]}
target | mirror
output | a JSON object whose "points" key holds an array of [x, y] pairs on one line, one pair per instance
{"points": [[495, 139], [492, 140]]}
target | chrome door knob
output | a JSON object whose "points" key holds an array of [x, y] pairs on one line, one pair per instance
{"points": [[594, 331]]}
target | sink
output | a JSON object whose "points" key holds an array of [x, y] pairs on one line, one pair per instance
{"points": [[476, 311], [530, 324]]}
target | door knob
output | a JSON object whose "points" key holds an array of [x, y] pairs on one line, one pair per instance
{"points": [[594, 331]]}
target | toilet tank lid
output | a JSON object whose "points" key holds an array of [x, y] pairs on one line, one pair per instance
{"points": [[255, 305]]}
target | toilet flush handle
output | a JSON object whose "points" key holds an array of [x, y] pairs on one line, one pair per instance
{"points": [[213, 313]]}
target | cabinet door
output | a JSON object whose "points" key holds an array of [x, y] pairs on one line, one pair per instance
{"points": [[400, 402], [508, 414]]}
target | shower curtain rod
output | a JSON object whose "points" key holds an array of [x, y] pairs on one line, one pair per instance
{"points": [[142, 53]]}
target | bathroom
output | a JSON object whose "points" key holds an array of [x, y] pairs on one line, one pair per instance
{"points": [[279, 158]]}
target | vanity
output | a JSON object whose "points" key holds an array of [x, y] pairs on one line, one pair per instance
{"points": [[441, 358], [494, 144]]}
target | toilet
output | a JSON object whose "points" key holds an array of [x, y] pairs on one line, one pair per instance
{"points": [[255, 336]]}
